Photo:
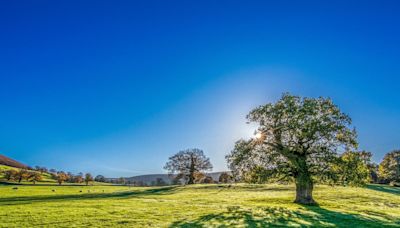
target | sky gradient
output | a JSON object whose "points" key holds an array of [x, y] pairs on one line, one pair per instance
{"points": [[116, 87]]}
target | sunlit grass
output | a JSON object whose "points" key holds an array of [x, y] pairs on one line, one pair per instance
{"points": [[196, 206]]}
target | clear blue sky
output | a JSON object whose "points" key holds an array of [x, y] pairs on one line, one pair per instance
{"points": [[116, 87]]}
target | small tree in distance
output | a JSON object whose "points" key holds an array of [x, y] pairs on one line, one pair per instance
{"points": [[61, 177], [224, 177], [22, 174], [10, 174], [187, 162], [121, 180], [78, 178], [88, 178], [35, 177], [100, 178]]}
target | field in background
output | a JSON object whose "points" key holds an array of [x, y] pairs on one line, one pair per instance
{"points": [[46, 176], [196, 206]]}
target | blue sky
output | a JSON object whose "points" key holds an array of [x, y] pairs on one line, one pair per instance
{"points": [[116, 87]]}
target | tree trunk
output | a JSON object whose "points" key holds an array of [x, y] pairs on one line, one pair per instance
{"points": [[191, 179], [191, 171], [304, 188]]}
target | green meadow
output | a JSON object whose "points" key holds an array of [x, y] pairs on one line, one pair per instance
{"points": [[211, 205]]}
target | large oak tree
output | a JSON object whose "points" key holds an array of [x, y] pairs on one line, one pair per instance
{"points": [[188, 162], [298, 138]]}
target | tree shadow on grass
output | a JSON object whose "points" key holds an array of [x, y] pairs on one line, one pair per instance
{"points": [[312, 216], [384, 188], [247, 187], [17, 200]]}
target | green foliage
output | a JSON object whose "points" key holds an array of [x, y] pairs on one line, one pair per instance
{"points": [[257, 175], [89, 178], [389, 168], [225, 177], [100, 178], [372, 167], [298, 138], [351, 169]]}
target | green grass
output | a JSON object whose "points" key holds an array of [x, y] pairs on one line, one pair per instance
{"points": [[196, 206]]}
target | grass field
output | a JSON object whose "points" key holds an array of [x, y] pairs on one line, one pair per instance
{"points": [[196, 206]]}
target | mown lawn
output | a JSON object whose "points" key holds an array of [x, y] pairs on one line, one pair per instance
{"points": [[196, 206]]}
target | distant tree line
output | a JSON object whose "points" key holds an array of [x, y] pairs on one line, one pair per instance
{"points": [[61, 177], [37, 173], [22, 175]]}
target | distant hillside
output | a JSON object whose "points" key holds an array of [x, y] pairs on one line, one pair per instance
{"points": [[10, 162], [152, 178]]}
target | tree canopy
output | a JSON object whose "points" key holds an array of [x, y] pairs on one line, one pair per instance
{"points": [[88, 178], [352, 169], [297, 138], [389, 168], [188, 162]]}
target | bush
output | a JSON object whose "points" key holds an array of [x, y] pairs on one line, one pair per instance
{"points": [[394, 184]]}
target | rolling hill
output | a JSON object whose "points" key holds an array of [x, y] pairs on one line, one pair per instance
{"points": [[11, 162], [149, 179]]}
